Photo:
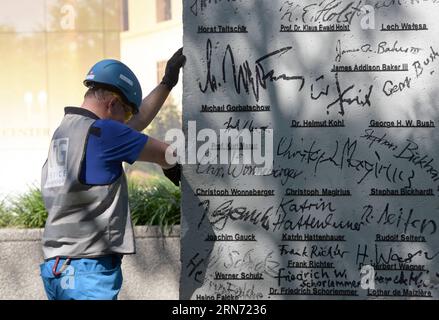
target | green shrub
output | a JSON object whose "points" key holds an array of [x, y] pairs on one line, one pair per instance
{"points": [[29, 209], [7, 219], [157, 202]]}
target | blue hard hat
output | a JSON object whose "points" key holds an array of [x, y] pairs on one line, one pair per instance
{"points": [[117, 77]]}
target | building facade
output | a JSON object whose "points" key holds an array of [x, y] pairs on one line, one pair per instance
{"points": [[47, 47]]}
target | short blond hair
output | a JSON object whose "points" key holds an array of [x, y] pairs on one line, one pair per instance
{"points": [[98, 93]]}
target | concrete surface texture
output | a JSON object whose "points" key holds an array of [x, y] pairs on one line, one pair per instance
{"points": [[152, 273]]}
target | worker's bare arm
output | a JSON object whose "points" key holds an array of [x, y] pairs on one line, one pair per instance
{"points": [[155, 151], [151, 105], [153, 102]]}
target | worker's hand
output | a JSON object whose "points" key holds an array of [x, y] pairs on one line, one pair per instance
{"points": [[174, 174], [173, 69]]}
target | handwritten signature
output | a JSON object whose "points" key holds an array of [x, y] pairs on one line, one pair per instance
{"points": [[344, 155], [382, 47], [226, 210], [245, 77], [351, 95], [201, 5], [334, 11]]}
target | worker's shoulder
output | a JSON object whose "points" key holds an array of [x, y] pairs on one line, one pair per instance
{"points": [[111, 128], [106, 129]]}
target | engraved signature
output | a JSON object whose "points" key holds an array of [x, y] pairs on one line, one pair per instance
{"points": [[198, 6], [334, 11], [344, 155], [245, 77]]}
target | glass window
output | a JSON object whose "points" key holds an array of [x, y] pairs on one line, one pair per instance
{"points": [[163, 10], [113, 18], [23, 82], [161, 67], [22, 16], [74, 15], [47, 48], [125, 16]]}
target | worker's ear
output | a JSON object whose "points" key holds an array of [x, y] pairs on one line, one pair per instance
{"points": [[112, 105]]}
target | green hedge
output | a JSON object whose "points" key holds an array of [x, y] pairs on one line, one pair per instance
{"points": [[6, 217], [154, 203]]}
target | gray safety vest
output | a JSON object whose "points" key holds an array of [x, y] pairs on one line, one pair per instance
{"points": [[84, 221]]}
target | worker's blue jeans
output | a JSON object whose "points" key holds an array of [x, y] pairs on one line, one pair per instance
{"points": [[83, 279]]}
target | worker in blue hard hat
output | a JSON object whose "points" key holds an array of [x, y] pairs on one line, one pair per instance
{"points": [[89, 227]]}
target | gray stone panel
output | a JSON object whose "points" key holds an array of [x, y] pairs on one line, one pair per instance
{"points": [[349, 209]]}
